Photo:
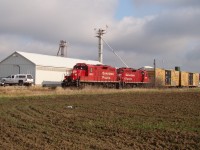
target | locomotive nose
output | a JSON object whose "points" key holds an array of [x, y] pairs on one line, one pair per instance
{"points": [[74, 71], [75, 74]]}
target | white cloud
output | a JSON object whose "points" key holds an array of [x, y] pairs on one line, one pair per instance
{"points": [[48, 21]]}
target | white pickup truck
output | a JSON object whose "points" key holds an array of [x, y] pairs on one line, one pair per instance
{"points": [[18, 79]]}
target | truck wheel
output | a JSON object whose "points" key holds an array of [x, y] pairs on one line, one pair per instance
{"points": [[3, 83], [29, 84], [20, 83]]}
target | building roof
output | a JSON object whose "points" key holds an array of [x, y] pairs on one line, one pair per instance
{"points": [[53, 61], [147, 68]]}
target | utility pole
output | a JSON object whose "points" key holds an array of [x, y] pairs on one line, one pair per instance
{"points": [[100, 33], [154, 66], [115, 53]]}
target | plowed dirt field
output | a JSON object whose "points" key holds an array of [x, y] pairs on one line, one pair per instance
{"points": [[160, 119]]}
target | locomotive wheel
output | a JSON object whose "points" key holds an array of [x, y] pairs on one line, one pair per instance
{"points": [[134, 85], [81, 85], [123, 85], [77, 83], [118, 86]]}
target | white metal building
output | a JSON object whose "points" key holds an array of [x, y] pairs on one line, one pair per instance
{"points": [[44, 68]]}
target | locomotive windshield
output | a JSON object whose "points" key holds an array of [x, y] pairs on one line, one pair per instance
{"points": [[80, 67], [120, 71]]}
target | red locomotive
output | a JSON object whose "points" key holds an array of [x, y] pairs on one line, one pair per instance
{"points": [[107, 76], [132, 77]]}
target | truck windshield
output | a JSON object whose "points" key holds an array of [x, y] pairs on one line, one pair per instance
{"points": [[29, 77]]}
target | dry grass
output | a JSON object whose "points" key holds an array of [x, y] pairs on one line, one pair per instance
{"points": [[13, 91]]}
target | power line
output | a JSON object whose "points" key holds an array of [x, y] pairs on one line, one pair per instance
{"points": [[115, 53]]}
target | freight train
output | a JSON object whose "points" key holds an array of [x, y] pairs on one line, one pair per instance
{"points": [[107, 76], [173, 78]]}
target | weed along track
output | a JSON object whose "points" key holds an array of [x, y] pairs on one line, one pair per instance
{"points": [[159, 119]]}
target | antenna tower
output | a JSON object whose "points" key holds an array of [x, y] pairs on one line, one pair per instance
{"points": [[62, 46]]}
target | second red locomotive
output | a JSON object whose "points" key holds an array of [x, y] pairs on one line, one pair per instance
{"points": [[132, 77], [107, 76]]}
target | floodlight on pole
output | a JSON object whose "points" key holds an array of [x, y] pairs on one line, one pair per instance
{"points": [[100, 33]]}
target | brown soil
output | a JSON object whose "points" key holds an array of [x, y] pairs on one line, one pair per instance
{"points": [[124, 120]]}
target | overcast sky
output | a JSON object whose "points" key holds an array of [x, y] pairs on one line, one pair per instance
{"points": [[138, 30]]}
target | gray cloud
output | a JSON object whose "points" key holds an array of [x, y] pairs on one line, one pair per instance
{"points": [[193, 54], [166, 32], [172, 3], [30, 25], [51, 20], [192, 61], [183, 22], [168, 36]]}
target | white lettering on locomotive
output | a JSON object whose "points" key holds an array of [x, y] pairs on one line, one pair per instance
{"points": [[108, 73], [107, 78], [127, 78], [130, 75]]}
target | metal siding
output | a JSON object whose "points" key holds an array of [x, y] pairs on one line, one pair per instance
{"points": [[16, 59], [16, 64], [6, 70], [45, 76]]}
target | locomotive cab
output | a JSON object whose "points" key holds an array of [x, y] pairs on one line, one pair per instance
{"points": [[79, 70], [144, 76], [129, 77], [126, 74]]}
